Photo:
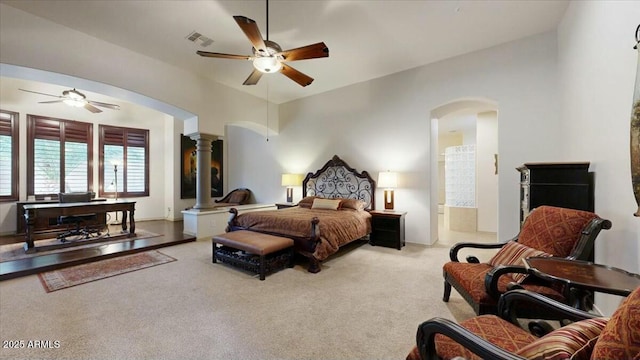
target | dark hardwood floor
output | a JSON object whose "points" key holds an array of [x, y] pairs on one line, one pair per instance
{"points": [[171, 235]]}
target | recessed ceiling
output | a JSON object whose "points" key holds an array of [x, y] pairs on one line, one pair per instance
{"points": [[367, 39]]}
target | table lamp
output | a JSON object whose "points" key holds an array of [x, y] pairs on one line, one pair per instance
{"points": [[291, 180], [389, 181]]}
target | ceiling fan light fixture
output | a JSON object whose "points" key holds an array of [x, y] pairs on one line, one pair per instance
{"points": [[75, 102], [267, 64], [268, 56]]}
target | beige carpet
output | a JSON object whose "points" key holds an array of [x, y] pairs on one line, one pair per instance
{"points": [[85, 273], [365, 304], [16, 251]]}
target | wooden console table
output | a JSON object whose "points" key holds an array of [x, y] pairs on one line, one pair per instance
{"points": [[47, 227], [34, 211]]}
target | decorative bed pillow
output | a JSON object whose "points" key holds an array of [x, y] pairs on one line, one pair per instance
{"points": [[307, 202], [355, 204], [513, 253], [326, 204], [564, 342]]}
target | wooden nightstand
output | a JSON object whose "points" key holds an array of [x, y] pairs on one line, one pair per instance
{"points": [[387, 228], [285, 205]]}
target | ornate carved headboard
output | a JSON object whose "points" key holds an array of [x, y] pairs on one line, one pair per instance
{"points": [[336, 179]]}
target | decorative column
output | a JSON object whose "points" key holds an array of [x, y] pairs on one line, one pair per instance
{"points": [[203, 167]]}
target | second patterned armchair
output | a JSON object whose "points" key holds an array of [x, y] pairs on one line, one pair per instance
{"points": [[588, 336]]}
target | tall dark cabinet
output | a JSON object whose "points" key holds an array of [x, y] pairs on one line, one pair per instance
{"points": [[568, 185]]}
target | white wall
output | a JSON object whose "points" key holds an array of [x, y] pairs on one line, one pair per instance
{"points": [[598, 67], [469, 136], [487, 185], [251, 163], [384, 124]]}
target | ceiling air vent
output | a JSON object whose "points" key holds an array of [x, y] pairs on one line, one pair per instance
{"points": [[195, 36]]}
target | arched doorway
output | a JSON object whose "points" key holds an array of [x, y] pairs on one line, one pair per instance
{"points": [[171, 121], [464, 200]]}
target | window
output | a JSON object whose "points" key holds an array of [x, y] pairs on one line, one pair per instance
{"points": [[59, 156], [124, 162], [9, 156]]}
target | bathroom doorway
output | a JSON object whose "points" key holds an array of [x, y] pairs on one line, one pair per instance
{"points": [[466, 159]]}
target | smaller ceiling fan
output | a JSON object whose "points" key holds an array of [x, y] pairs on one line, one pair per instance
{"points": [[77, 99], [268, 56]]}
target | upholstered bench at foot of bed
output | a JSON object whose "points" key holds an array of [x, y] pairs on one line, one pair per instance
{"points": [[249, 250]]}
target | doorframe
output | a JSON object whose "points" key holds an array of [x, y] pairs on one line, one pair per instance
{"points": [[479, 104]]}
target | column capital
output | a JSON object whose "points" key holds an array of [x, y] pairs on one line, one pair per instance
{"points": [[202, 136]]}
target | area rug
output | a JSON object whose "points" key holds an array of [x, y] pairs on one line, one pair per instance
{"points": [[82, 274], [15, 251]]}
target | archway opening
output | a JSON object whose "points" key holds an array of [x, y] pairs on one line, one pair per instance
{"points": [[464, 180]]}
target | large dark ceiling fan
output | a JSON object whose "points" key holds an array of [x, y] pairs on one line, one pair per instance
{"points": [[77, 99], [268, 56]]}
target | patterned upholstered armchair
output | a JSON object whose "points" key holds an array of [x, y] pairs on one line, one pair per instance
{"points": [[493, 337], [236, 197], [547, 231]]}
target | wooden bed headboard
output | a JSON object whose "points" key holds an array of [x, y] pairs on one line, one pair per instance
{"points": [[336, 179]]}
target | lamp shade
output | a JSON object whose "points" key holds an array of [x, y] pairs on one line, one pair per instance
{"points": [[267, 64], [75, 102], [387, 180], [291, 179]]}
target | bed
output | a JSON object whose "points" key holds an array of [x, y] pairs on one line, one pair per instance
{"points": [[332, 213]]}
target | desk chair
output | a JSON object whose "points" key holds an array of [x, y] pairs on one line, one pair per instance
{"points": [[77, 224]]}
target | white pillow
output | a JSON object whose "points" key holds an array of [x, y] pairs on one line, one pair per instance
{"points": [[327, 204]]}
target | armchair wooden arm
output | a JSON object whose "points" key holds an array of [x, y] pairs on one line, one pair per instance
{"points": [[453, 253], [492, 277], [479, 346], [584, 249], [511, 300]]}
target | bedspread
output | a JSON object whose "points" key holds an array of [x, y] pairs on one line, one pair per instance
{"points": [[336, 227]]}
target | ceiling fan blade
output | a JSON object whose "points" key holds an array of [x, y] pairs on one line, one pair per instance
{"points": [[105, 105], [296, 75], [253, 78], [51, 102], [35, 92], [92, 108], [313, 51], [223, 56], [250, 28]]}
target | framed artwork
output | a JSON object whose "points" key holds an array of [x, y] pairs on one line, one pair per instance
{"points": [[188, 168]]}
